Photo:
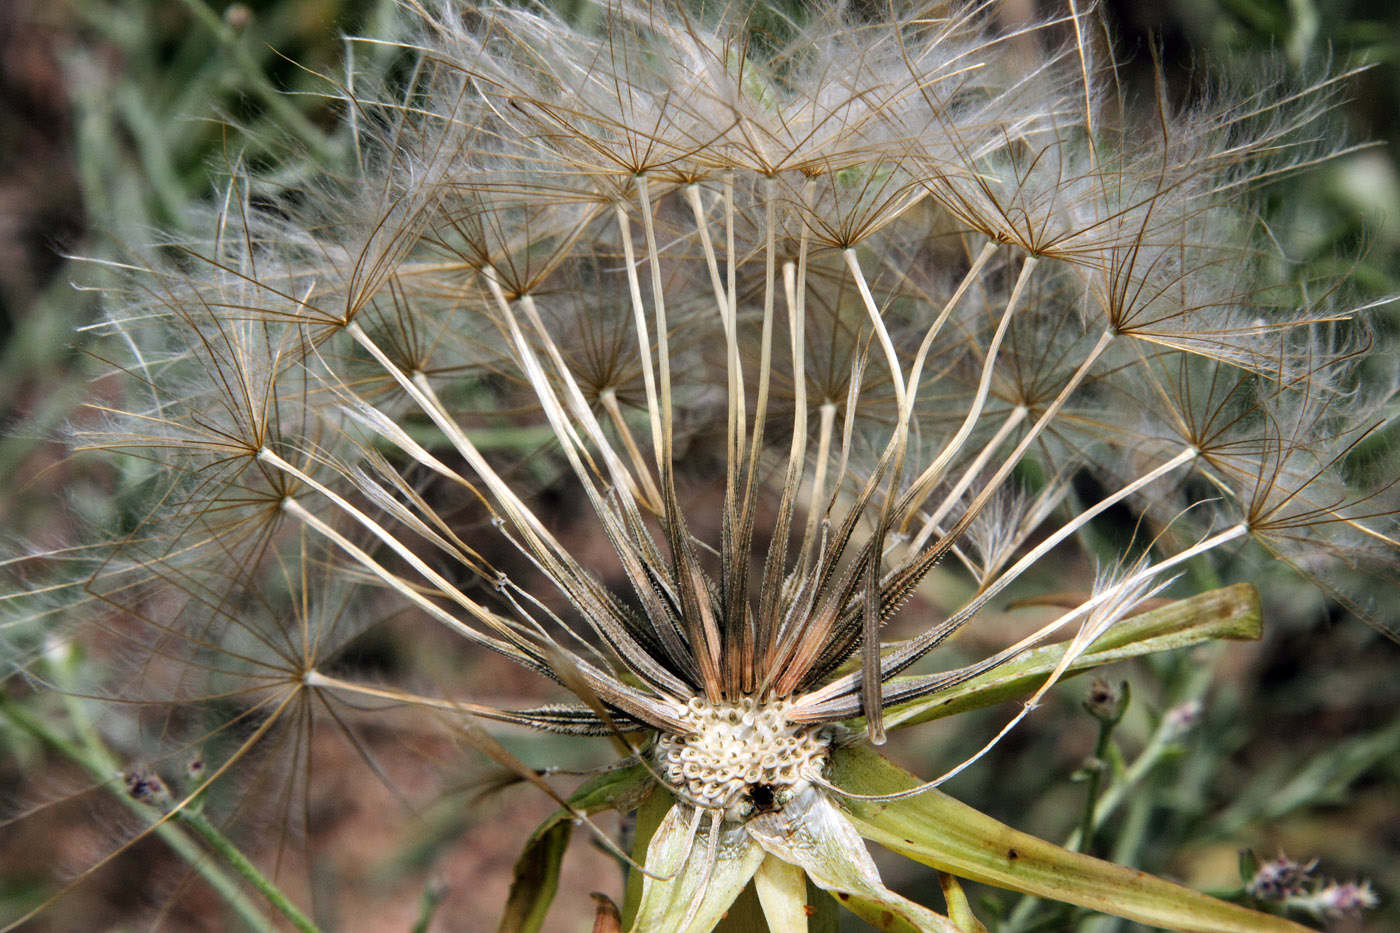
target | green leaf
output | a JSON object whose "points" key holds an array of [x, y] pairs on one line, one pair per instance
{"points": [[877, 914], [1231, 612], [619, 789], [536, 875], [937, 830], [536, 879]]}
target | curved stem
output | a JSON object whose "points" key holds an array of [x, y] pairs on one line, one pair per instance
{"points": [[99, 763], [239, 862]]}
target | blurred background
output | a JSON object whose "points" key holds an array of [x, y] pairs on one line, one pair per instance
{"points": [[117, 115]]}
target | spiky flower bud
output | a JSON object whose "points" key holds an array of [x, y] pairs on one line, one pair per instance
{"points": [[1337, 899], [1280, 878], [148, 788], [1292, 885], [1183, 717]]}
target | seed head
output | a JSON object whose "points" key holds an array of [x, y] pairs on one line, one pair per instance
{"points": [[741, 757], [789, 324]]}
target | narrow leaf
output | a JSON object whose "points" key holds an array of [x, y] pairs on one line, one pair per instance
{"points": [[959, 910], [1231, 612], [535, 879], [877, 914], [937, 830]]}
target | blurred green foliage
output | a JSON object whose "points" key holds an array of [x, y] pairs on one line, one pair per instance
{"points": [[162, 97], [1345, 218]]}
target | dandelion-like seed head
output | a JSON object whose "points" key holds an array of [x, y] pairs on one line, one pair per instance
{"points": [[791, 324]]}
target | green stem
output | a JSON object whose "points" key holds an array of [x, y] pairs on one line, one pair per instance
{"points": [[1198, 679], [1199, 676], [1097, 765], [99, 766], [1091, 793], [239, 862], [1136, 773], [433, 896]]}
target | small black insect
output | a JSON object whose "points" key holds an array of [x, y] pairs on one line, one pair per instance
{"points": [[764, 798]]}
